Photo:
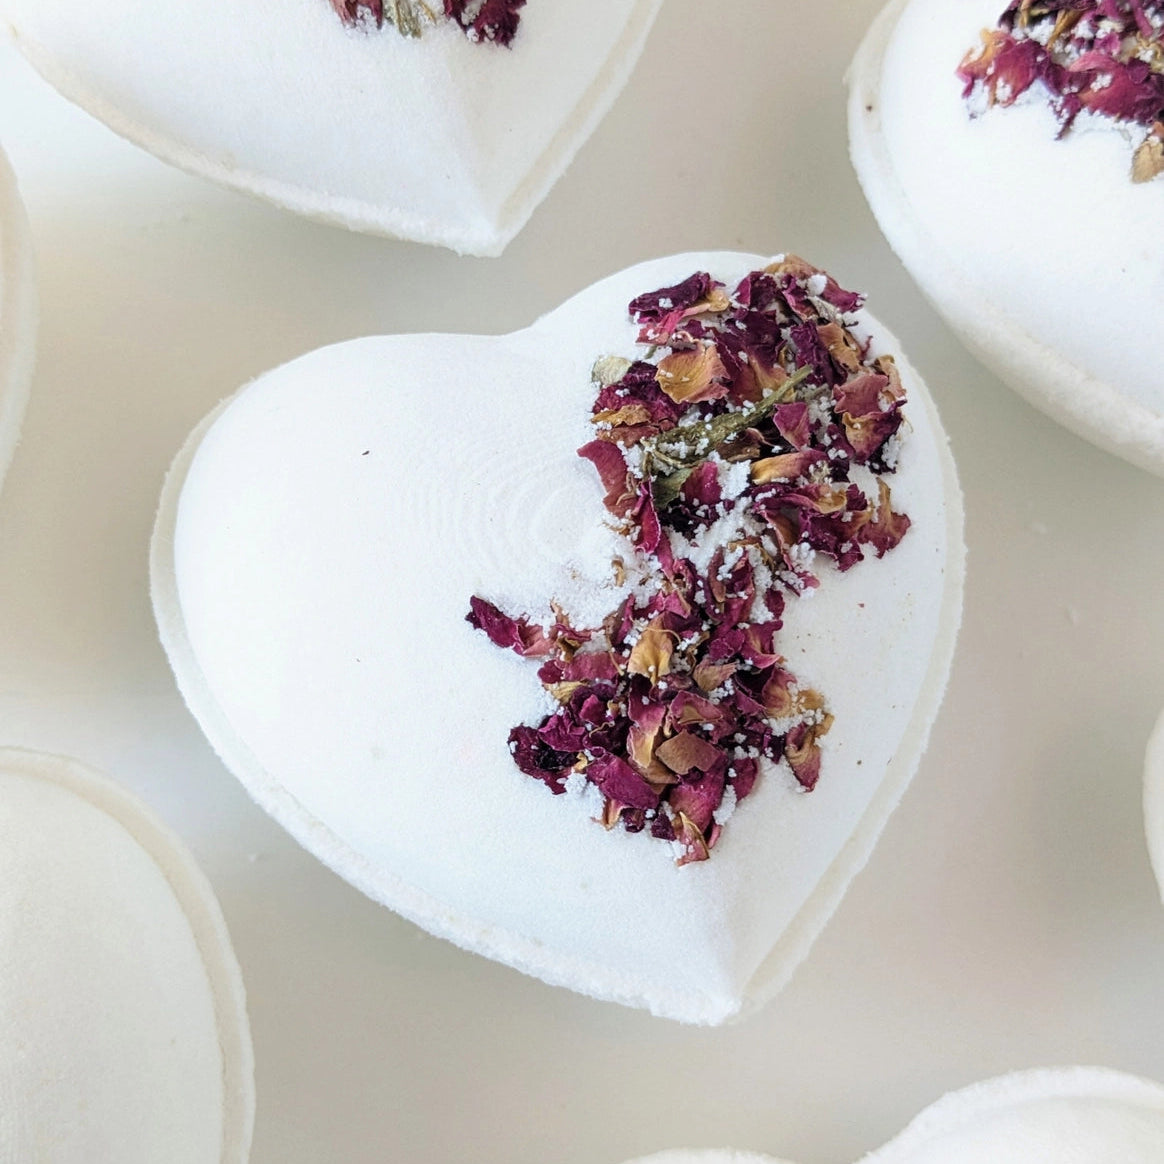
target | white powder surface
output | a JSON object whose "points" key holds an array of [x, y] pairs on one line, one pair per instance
{"points": [[1073, 1115], [18, 313], [1067, 1115], [1041, 253], [1154, 800], [316, 550], [436, 139], [705, 1156], [123, 1031]]}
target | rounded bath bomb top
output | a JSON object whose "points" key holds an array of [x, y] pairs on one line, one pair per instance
{"points": [[313, 553], [1154, 800], [1071, 1115], [123, 1030], [439, 137], [1035, 244], [18, 313]]}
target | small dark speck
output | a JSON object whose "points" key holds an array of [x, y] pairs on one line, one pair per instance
{"points": [[860, 762], [861, 605], [365, 452], [868, 108]]}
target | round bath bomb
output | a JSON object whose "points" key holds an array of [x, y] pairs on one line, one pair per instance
{"points": [[440, 122], [17, 313], [123, 1030], [447, 605], [1071, 1115], [1154, 800], [1015, 206]]}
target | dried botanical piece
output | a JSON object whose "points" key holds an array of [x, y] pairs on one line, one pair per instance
{"points": [[728, 458], [1102, 56], [480, 20]]}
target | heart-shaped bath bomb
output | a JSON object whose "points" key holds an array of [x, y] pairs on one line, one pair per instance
{"points": [[1070, 1115], [1154, 800], [436, 138], [318, 543], [123, 1029], [18, 313], [1040, 252]]}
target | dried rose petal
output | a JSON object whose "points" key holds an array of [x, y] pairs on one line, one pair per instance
{"points": [[612, 470], [619, 782], [495, 20], [686, 752], [693, 376]]}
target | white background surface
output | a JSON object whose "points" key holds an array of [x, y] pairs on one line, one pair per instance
{"points": [[1009, 917]]}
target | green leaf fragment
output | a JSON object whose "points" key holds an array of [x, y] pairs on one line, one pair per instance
{"points": [[672, 456]]}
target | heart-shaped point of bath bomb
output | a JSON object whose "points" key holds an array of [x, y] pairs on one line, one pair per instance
{"points": [[123, 1029], [18, 313], [1069, 1115], [1038, 250], [1154, 800], [436, 138], [317, 547]]}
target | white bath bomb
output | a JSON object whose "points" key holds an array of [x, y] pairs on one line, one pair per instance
{"points": [[1072, 1115], [1040, 252], [317, 546], [18, 313], [1154, 800], [436, 138], [123, 1030]]}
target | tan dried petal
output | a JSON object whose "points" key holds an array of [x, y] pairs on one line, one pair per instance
{"points": [[792, 265], [562, 691], [808, 699], [708, 676], [767, 379], [628, 414], [641, 747], [688, 834], [609, 370], [799, 755], [841, 345], [783, 467], [684, 752], [716, 300], [651, 655], [993, 42], [887, 366], [1148, 160], [692, 376], [1065, 22], [831, 501]]}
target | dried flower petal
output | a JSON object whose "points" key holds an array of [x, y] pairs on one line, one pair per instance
{"points": [[686, 752], [693, 376]]}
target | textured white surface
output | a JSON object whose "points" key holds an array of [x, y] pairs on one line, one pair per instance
{"points": [[1040, 253], [1066, 1115], [1009, 915], [315, 555], [1154, 800], [705, 1156], [123, 1031], [436, 138], [17, 313]]}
